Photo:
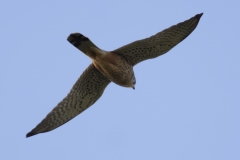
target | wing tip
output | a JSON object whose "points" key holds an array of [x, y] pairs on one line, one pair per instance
{"points": [[199, 15], [192, 22], [40, 128], [30, 134]]}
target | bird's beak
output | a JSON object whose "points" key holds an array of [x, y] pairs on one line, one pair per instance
{"points": [[133, 87]]}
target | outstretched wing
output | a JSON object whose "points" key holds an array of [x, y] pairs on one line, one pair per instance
{"points": [[85, 92], [158, 44]]}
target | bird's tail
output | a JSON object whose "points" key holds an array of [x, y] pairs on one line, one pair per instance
{"points": [[85, 45]]}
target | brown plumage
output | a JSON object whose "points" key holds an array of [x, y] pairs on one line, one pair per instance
{"points": [[115, 66]]}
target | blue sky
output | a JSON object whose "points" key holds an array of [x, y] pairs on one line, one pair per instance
{"points": [[186, 102]]}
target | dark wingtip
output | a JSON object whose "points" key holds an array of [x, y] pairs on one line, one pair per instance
{"points": [[199, 15], [30, 134]]}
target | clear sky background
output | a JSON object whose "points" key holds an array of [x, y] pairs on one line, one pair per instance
{"points": [[186, 105]]}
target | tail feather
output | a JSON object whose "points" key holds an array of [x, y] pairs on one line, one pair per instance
{"points": [[84, 44]]}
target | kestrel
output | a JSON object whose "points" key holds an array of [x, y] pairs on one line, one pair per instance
{"points": [[114, 66]]}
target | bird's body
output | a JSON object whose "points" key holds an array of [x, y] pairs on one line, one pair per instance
{"points": [[110, 64], [116, 69], [114, 66]]}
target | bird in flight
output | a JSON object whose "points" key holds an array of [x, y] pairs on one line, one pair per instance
{"points": [[114, 66]]}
